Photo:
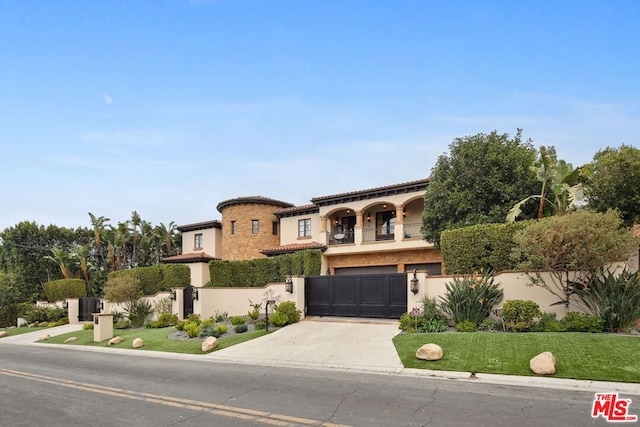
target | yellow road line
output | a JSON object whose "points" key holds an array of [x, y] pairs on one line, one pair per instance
{"points": [[194, 405]]}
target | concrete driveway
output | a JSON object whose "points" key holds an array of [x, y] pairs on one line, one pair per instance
{"points": [[320, 342]]}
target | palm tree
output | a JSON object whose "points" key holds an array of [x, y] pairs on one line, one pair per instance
{"points": [[98, 224], [559, 179], [81, 253], [135, 224], [60, 257]]}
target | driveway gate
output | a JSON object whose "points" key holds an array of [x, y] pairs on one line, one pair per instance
{"points": [[373, 295], [88, 306]]}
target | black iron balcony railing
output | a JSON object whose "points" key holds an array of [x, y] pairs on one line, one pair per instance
{"points": [[341, 238]]}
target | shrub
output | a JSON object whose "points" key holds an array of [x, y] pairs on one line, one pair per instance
{"points": [[180, 325], [165, 320], [137, 311], [287, 310], [58, 290], [259, 326], [208, 331], [428, 319], [221, 328], [193, 317], [220, 316], [471, 298], [62, 321], [581, 322], [253, 314], [241, 328], [433, 325], [518, 315], [87, 326], [123, 324], [238, 320], [615, 298], [466, 326], [192, 329], [409, 321], [278, 319], [547, 323], [45, 314], [489, 325]]}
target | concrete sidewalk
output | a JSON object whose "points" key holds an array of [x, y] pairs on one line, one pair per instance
{"points": [[338, 344]]}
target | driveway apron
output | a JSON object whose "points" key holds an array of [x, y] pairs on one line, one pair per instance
{"points": [[322, 343]]}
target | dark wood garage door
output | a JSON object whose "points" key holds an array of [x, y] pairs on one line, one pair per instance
{"points": [[373, 295]]}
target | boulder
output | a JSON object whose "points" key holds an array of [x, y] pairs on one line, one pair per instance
{"points": [[70, 339], [44, 337], [115, 340], [429, 352], [137, 343], [543, 364], [209, 344], [3, 334]]}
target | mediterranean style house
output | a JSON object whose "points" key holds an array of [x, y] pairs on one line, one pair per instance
{"points": [[373, 231]]}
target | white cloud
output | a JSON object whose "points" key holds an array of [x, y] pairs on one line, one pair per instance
{"points": [[108, 99]]}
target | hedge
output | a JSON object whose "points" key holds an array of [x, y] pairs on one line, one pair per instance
{"points": [[157, 278], [58, 290], [262, 271], [480, 247]]}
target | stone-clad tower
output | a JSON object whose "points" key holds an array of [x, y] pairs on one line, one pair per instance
{"points": [[249, 226]]}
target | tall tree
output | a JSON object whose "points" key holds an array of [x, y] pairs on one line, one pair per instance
{"points": [[480, 179], [613, 182], [98, 224]]}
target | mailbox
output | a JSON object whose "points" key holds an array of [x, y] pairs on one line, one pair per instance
{"points": [[102, 326]]}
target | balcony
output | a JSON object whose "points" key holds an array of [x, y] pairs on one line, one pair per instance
{"points": [[378, 234], [347, 237]]}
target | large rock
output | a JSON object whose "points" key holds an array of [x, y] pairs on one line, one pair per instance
{"points": [[543, 364], [70, 339], [3, 334], [429, 352], [115, 340], [137, 343], [209, 344], [44, 337]]}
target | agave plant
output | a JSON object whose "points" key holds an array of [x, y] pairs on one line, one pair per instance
{"points": [[613, 297], [471, 298]]}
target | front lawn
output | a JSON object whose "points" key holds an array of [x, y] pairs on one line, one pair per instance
{"points": [[598, 357], [154, 339], [21, 330]]}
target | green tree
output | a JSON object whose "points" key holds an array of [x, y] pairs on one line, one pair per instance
{"points": [[477, 183], [613, 182], [560, 185], [572, 248]]}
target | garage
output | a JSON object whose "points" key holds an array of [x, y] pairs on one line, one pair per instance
{"points": [[371, 295]]}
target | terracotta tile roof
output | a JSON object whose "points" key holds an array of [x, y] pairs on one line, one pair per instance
{"points": [[253, 200], [404, 187], [303, 209], [189, 258], [294, 247]]}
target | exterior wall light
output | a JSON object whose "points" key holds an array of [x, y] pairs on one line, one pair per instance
{"points": [[288, 285], [172, 295], [195, 294], [368, 217], [414, 282], [65, 304]]}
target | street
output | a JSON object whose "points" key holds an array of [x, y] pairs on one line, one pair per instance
{"points": [[43, 386]]}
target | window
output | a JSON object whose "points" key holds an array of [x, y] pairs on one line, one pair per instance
{"points": [[197, 241], [304, 227], [274, 228], [233, 227], [255, 226]]}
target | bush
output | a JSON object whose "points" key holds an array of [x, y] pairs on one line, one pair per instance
{"points": [[180, 325], [46, 314], [428, 319], [220, 316], [137, 311], [615, 298], [253, 314], [433, 325], [547, 323], [287, 310], [479, 247], [166, 320], [471, 298], [519, 315], [193, 317], [209, 331], [466, 326], [241, 328], [581, 322], [87, 326], [62, 321], [259, 326], [278, 319], [123, 324], [221, 328], [489, 325], [238, 320], [192, 329], [58, 290]]}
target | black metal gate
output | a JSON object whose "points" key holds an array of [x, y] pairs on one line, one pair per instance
{"points": [[187, 301], [374, 295], [88, 306]]}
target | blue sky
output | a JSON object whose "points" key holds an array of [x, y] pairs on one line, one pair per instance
{"points": [[169, 107]]}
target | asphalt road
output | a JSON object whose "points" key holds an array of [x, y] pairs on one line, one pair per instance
{"points": [[41, 386]]}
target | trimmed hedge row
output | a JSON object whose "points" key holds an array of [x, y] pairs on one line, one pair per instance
{"points": [[58, 290], [262, 271], [479, 247], [157, 278]]}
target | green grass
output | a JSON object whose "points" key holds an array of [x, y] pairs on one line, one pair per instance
{"points": [[21, 330], [154, 339], [598, 357]]}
